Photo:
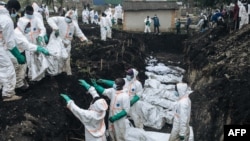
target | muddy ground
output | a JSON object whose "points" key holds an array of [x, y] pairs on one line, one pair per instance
{"points": [[217, 64]]}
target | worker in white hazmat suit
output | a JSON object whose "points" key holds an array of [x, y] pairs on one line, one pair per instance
{"points": [[66, 28], [93, 118], [92, 15], [85, 16], [23, 28], [109, 23], [7, 43], [103, 27], [119, 107], [180, 130], [96, 18], [37, 11], [118, 13], [36, 36], [134, 87], [243, 15]]}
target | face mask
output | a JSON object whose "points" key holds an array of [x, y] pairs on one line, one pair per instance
{"points": [[29, 16], [114, 86], [67, 20], [13, 15], [27, 30], [128, 77]]}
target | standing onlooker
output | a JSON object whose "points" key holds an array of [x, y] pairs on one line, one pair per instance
{"points": [[180, 130], [147, 22], [156, 24], [236, 15], [103, 27], [188, 22], [178, 26]]}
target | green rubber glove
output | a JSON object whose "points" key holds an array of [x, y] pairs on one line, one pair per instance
{"points": [[109, 83], [181, 137], [98, 88], [57, 32], [118, 116], [20, 58], [46, 39], [40, 49], [84, 84], [39, 40], [134, 100], [65, 97]]}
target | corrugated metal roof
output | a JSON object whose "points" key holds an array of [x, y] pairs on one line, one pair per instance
{"points": [[148, 5]]}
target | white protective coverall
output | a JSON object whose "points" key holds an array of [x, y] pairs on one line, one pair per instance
{"points": [[147, 27], [7, 40], [37, 63], [134, 87], [37, 11], [96, 18], [66, 32], [119, 101], [85, 16], [103, 27], [109, 29], [22, 45], [91, 15], [93, 118], [243, 15], [118, 12], [182, 115]]}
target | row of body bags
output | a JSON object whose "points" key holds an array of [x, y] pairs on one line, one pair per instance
{"points": [[158, 100], [52, 64]]}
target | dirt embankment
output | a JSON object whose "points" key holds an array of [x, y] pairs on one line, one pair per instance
{"points": [[218, 70]]}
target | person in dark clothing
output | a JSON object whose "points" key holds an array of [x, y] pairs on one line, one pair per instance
{"points": [[178, 26], [156, 24], [188, 23]]}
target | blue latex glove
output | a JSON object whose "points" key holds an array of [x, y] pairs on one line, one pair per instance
{"points": [[20, 58], [39, 40], [40, 49], [65, 97], [84, 84], [46, 39], [181, 137]]}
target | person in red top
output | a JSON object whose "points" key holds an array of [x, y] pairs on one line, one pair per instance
{"points": [[236, 15]]}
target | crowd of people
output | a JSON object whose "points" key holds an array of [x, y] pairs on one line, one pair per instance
{"points": [[26, 52], [234, 16]]}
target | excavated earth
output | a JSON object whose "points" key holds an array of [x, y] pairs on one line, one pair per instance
{"points": [[216, 61]]}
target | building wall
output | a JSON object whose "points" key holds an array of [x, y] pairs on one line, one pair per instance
{"points": [[134, 20]]}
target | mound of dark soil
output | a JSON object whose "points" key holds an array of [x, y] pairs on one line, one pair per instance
{"points": [[218, 70]]}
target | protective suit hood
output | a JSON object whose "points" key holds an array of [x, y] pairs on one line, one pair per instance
{"points": [[36, 7], [22, 23], [3, 10], [183, 89], [100, 105], [69, 14], [135, 73]]}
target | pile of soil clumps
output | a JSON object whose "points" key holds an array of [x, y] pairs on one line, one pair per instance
{"points": [[41, 114], [218, 67]]}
